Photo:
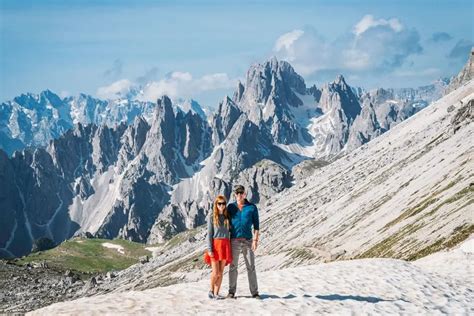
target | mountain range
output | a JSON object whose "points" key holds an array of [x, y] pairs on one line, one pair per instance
{"points": [[145, 171]]}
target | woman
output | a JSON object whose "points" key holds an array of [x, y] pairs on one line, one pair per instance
{"points": [[218, 253]]}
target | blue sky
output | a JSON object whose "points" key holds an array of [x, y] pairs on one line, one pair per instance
{"points": [[200, 49]]}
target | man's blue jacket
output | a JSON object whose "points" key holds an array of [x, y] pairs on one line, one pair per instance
{"points": [[242, 220]]}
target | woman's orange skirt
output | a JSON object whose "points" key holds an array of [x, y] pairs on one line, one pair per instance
{"points": [[221, 251]]}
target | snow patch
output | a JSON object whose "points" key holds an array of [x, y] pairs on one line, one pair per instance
{"points": [[370, 286], [468, 246], [113, 246]]}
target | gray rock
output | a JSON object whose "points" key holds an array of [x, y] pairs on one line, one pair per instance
{"points": [[143, 259], [91, 283], [463, 116]]}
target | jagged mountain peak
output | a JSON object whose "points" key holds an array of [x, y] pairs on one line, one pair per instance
{"points": [[48, 93], [164, 101], [339, 95], [164, 107], [238, 92], [339, 84], [270, 75], [190, 105], [340, 80]]}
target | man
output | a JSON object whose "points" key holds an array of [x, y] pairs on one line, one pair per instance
{"points": [[243, 215]]}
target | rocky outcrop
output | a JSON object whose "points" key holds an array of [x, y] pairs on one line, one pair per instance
{"points": [[223, 120], [340, 107], [463, 116], [464, 76], [264, 180]]}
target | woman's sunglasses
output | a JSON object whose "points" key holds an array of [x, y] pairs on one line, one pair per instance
{"points": [[220, 203]]}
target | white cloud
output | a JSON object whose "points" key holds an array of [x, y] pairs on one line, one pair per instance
{"points": [[374, 45], [306, 50], [115, 90], [286, 41], [368, 22], [156, 89], [183, 85], [175, 85], [215, 81], [182, 76]]}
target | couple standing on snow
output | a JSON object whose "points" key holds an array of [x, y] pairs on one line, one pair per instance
{"points": [[229, 234]]}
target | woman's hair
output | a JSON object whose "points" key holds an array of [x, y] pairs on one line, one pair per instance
{"points": [[215, 211]]}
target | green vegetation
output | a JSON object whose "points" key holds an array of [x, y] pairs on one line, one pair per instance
{"points": [[89, 255], [301, 253], [412, 211], [453, 199], [421, 206], [459, 235], [378, 204], [385, 247]]}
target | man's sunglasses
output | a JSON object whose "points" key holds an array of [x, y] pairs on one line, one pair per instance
{"points": [[239, 192], [220, 203]]}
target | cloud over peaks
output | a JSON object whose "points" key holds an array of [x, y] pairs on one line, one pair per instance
{"points": [[373, 45]]}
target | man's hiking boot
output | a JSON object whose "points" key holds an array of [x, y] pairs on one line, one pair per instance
{"points": [[231, 295], [257, 296]]}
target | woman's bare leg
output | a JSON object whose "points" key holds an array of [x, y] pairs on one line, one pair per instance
{"points": [[214, 273], [221, 267]]}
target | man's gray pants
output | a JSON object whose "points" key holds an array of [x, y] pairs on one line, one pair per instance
{"points": [[244, 246]]}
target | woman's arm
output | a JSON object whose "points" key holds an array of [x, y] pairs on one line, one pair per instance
{"points": [[210, 233]]}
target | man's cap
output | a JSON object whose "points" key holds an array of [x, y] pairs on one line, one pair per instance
{"points": [[239, 188]]}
